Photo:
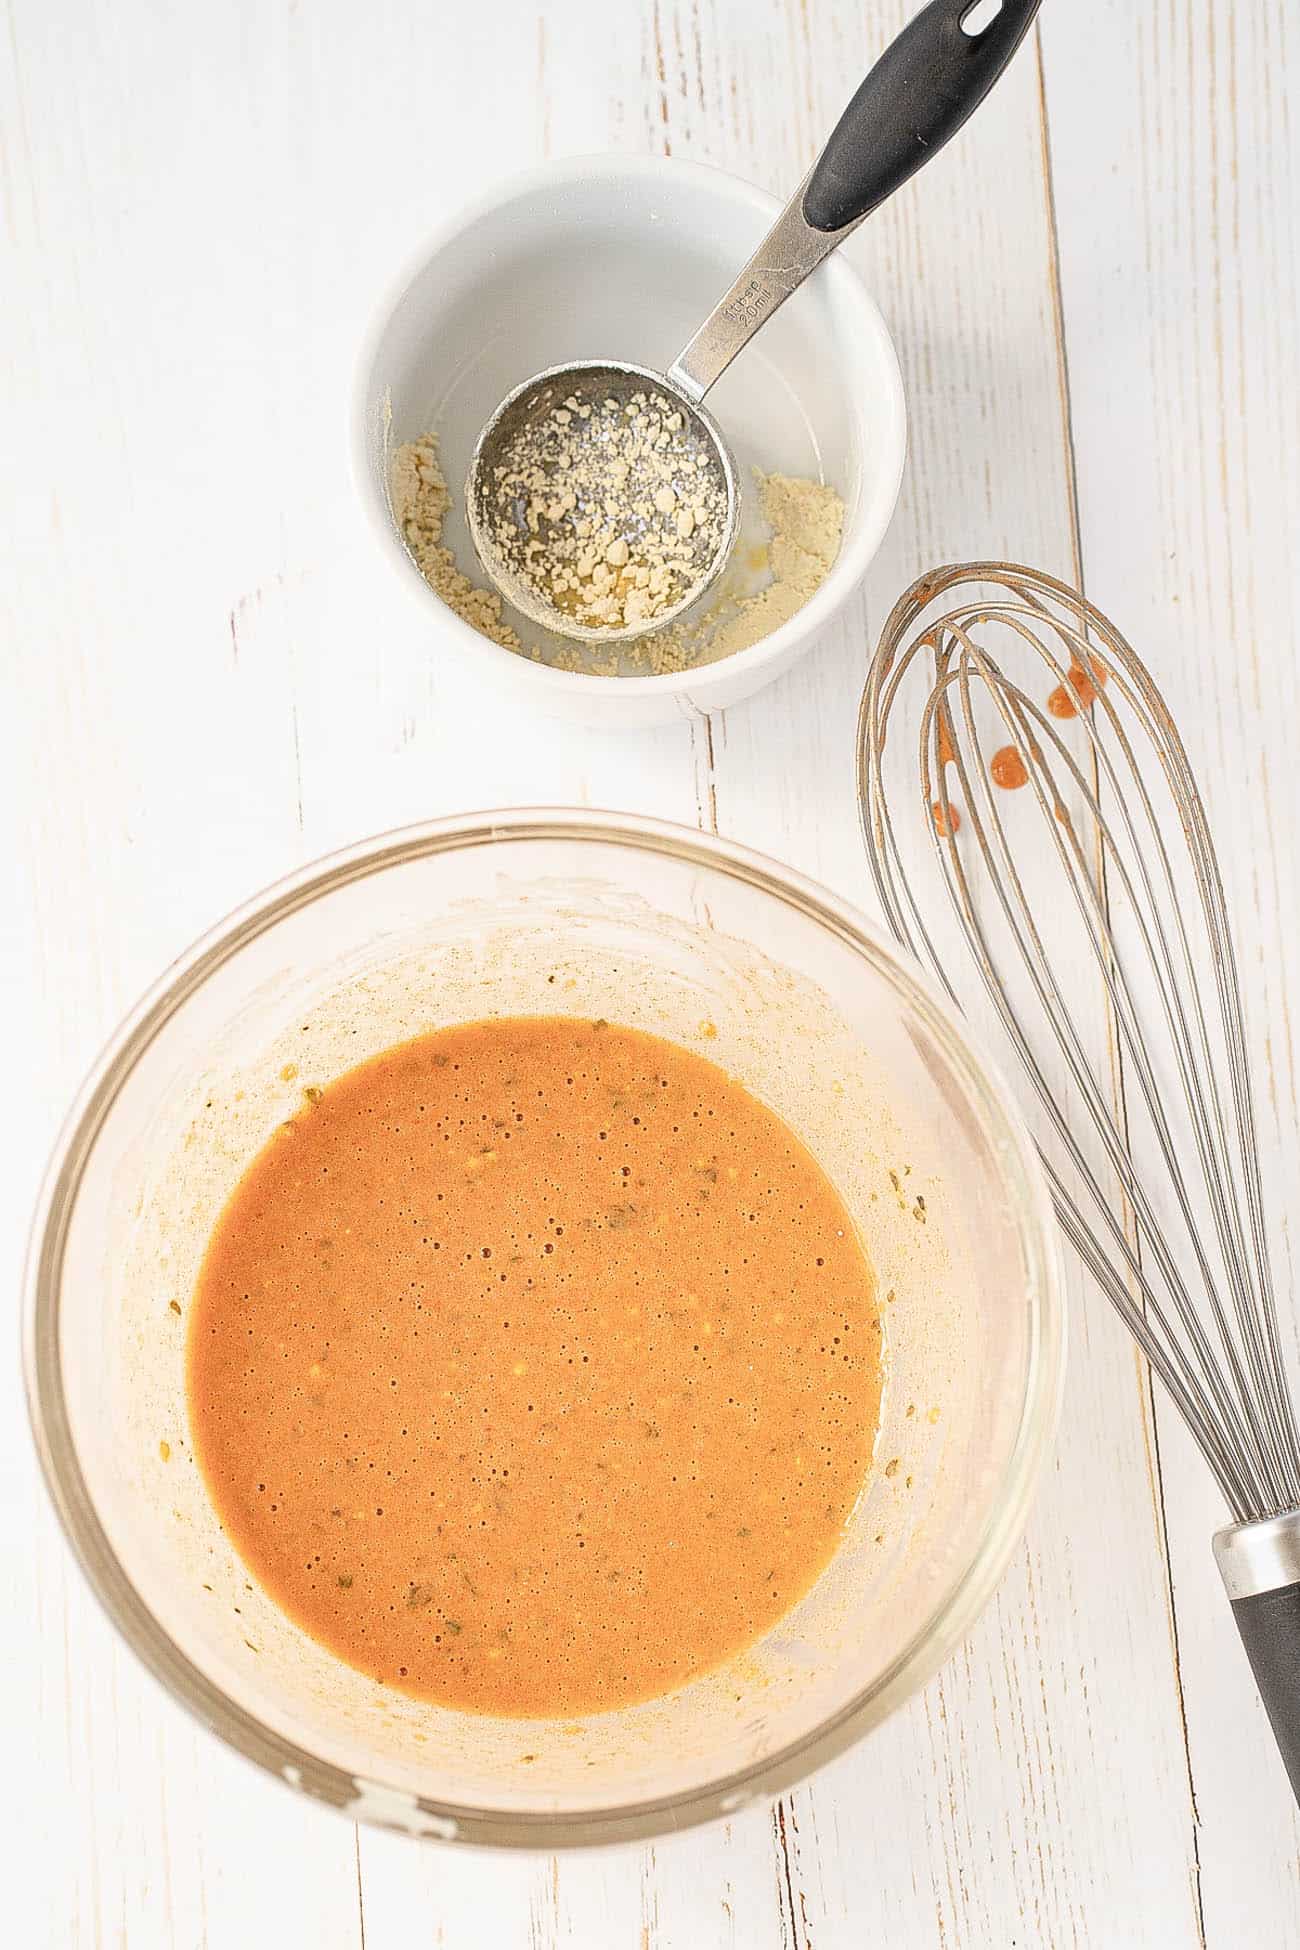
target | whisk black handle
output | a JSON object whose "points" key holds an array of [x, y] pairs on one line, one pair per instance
{"points": [[919, 93], [1270, 1631], [1260, 1563]]}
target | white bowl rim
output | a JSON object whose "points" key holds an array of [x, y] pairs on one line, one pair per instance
{"points": [[857, 550]]}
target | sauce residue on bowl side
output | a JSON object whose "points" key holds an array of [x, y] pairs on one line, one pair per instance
{"points": [[535, 1367]]}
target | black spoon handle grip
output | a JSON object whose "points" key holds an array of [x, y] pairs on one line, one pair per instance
{"points": [[921, 90], [918, 94]]}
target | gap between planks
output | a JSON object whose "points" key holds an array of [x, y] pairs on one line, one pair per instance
{"points": [[1145, 1384]]}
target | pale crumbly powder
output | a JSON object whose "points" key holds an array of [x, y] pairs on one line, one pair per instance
{"points": [[804, 517], [421, 503], [610, 511], [806, 521]]}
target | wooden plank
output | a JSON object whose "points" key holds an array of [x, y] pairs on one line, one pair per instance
{"points": [[997, 1788], [221, 683], [713, 1886], [1176, 167], [142, 815]]}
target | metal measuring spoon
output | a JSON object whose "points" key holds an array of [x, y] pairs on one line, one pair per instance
{"points": [[919, 93]]}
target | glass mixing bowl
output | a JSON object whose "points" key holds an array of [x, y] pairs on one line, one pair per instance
{"points": [[550, 913]]}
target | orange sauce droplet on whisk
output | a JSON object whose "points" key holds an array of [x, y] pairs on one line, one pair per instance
{"points": [[1080, 689], [947, 819], [1007, 769], [1087, 683]]}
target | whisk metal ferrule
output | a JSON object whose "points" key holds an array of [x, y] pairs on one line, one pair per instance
{"points": [[1254, 1558], [1260, 1565]]}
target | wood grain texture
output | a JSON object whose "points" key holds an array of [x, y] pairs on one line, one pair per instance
{"points": [[211, 683], [1180, 282]]}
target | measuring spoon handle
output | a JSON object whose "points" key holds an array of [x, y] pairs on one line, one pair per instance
{"points": [[921, 90]]}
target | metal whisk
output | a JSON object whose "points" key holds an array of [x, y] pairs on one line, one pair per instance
{"points": [[1065, 824]]}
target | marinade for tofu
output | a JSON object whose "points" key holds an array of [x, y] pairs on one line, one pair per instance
{"points": [[534, 1367]]}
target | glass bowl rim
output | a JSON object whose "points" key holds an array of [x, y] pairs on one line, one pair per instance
{"points": [[938, 1634]]}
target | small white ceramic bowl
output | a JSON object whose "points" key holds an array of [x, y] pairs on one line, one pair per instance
{"points": [[621, 257]]}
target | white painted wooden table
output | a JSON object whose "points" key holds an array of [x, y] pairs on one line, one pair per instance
{"points": [[1095, 297]]}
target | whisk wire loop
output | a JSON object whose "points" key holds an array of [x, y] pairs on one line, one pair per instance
{"points": [[991, 833], [1154, 921]]}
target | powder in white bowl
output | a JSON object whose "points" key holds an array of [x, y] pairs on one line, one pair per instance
{"points": [[804, 520]]}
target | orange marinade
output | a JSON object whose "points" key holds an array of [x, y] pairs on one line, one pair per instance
{"points": [[534, 1367]]}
